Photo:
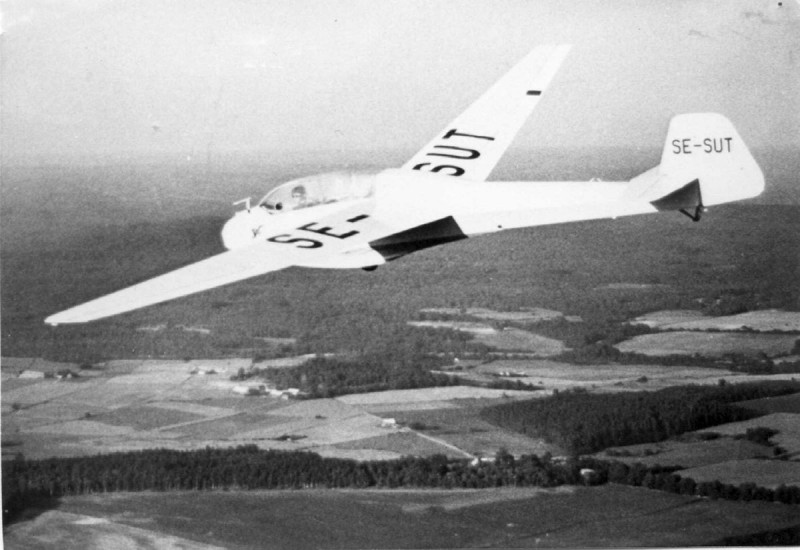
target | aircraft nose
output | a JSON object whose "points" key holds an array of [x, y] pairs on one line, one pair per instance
{"points": [[243, 228]]}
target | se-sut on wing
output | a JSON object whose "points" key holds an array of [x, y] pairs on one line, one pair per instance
{"points": [[342, 220], [473, 143]]}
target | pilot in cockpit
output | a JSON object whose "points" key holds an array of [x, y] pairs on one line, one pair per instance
{"points": [[316, 190], [299, 196]]}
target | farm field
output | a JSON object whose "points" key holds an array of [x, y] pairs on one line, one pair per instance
{"points": [[608, 516], [786, 424], [764, 473], [759, 321], [131, 405], [524, 315], [782, 404], [506, 339], [460, 425], [689, 454], [136, 405], [514, 339], [609, 377], [709, 343]]}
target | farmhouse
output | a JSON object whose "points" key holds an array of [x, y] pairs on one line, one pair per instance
{"points": [[203, 371], [31, 374], [259, 389]]}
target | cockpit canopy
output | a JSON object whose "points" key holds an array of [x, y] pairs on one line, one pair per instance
{"points": [[319, 189]]}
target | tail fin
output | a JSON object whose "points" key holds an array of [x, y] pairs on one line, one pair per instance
{"points": [[705, 162]]}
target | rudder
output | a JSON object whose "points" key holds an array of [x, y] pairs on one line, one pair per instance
{"points": [[707, 148], [704, 162]]}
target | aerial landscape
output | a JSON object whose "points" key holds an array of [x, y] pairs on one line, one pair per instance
{"points": [[608, 382]]}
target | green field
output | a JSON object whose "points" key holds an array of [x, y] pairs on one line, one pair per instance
{"points": [[608, 516], [780, 404], [464, 428]]}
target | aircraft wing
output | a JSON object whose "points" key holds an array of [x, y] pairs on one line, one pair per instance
{"points": [[336, 240], [473, 143]]}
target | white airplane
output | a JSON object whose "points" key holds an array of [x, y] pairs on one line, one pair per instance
{"points": [[350, 220]]}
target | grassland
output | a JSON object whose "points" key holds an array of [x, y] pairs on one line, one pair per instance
{"points": [[689, 454], [786, 424], [608, 516], [758, 321], [709, 344], [764, 473], [784, 404]]}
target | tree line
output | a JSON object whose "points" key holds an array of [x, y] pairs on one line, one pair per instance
{"points": [[323, 377], [582, 422], [248, 467]]}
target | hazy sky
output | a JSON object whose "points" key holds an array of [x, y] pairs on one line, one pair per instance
{"points": [[126, 78]]}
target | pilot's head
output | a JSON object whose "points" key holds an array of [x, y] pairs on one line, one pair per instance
{"points": [[299, 194]]}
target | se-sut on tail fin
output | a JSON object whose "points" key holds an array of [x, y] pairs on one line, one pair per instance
{"points": [[704, 162]]}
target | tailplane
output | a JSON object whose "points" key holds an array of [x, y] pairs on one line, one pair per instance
{"points": [[704, 162]]}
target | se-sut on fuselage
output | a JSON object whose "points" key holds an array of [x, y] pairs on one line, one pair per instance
{"points": [[354, 220]]}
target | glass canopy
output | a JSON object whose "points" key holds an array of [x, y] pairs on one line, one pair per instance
{"points": [[319, 189]]}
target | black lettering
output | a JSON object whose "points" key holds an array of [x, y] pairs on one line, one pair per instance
{"points": [[707, 143], [457, 171], [326, 231], [686, 143], [358, 218], [728, 140], [676, 146], [471, 153], [454, 132], [288, 239]]}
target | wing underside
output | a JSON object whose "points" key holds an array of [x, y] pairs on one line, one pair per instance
{"points": [[218, 270], [313, 244]]}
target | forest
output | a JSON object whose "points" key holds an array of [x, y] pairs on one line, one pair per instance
{"points": [[323, 377], [582, 422], [27, 482], [739, 258]]}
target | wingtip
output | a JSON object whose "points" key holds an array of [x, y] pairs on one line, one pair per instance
{"points": [[53, 320], [61, 318]]}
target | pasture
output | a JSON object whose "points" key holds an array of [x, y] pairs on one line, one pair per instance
{"points": [[769, 320], [607, 516], [609, 377], [688, 454], [786, 424], [764, 473], [709, 343], [782, 404]]}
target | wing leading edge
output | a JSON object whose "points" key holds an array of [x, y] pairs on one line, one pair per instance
{"points": [[228, 267], [291, 248], [474, 142]]}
